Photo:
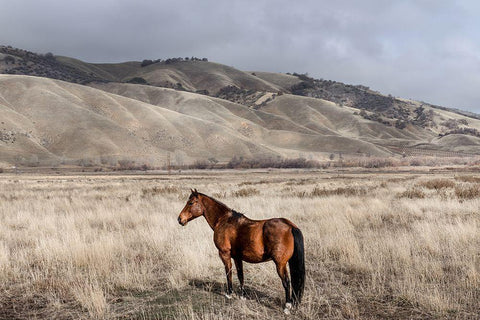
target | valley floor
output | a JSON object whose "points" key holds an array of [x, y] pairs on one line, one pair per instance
{"points": [[379, 245]]}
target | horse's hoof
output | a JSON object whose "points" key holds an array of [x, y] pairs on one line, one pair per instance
{"points": [[288, 307], [243, 298], [228, 296]]}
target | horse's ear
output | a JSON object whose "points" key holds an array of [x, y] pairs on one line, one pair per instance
{"points": [[194, 192]]}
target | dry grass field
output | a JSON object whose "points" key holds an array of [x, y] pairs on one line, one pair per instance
{"points": [[378, 245]]}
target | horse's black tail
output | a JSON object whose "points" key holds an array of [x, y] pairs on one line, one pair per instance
{"points": [[297, 266]]}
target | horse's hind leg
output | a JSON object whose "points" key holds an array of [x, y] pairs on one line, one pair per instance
{"points": [[239, 265], [283, 274], [227, 262]]}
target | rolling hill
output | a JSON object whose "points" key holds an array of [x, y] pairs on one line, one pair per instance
{"points": [[195, 110]]}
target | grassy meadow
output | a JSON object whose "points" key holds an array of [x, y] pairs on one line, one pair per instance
{"points": [[379, 245]]}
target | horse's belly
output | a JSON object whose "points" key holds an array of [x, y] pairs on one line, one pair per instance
{"points": [[253, 256]]}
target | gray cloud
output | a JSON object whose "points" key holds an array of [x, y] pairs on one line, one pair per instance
{"points": [[423, 49]]}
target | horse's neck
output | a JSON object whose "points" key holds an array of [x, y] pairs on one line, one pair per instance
{"points": [[214, 211]]}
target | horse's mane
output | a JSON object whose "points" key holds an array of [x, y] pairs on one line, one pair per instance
{"points": [[221, 204]]}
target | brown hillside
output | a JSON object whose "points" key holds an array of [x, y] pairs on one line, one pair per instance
{"points": [[48, 121], [188, 75], [284, 134]]}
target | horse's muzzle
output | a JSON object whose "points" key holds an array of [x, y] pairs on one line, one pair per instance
{"points": [[180, 221]]}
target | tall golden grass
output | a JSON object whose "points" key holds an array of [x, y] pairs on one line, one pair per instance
{"points": [[110, 246]]}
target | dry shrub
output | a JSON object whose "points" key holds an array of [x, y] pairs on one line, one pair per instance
{"points": [[468, 192], [246, 183], [371, 162], [468, 179], [150, 192], [201, 164], [245, 192], [341, 191], [413, 193], [381, 163], [437, 184], [221, 195]]}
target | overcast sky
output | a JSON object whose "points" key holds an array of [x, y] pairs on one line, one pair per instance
{"points": [[423, 49]]}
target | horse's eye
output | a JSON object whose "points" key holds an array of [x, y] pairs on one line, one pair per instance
{"points": [[190, 203]]}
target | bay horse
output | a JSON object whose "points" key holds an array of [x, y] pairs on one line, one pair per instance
{"points": [[253, 241]]}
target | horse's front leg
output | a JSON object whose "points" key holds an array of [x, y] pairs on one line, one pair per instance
{"points": [[226, 257], [239, 265]]}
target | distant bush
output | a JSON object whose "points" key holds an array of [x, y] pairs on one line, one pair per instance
{"points": [[450, 124], [200, 164], [240, 163], [150, 192], [380, 163], [49, 56], [245, 192], [138, 80], [131, 165], [468, 131], [400, 124], [342, 191], [437, 184], [146, 62], [299, 88], [412, 194], [204, 92], [468, 191], [9, 60]]}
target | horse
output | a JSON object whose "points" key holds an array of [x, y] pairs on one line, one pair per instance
{"points": [[252, 241]]}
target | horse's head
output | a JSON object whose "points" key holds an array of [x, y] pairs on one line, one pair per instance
{"points": [[193, 209]]}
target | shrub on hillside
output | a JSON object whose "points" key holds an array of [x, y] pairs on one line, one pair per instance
{"points": [[49, 56], [9, 60], [204, 92], [468, 131], [146, 62], [138, 80]]}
